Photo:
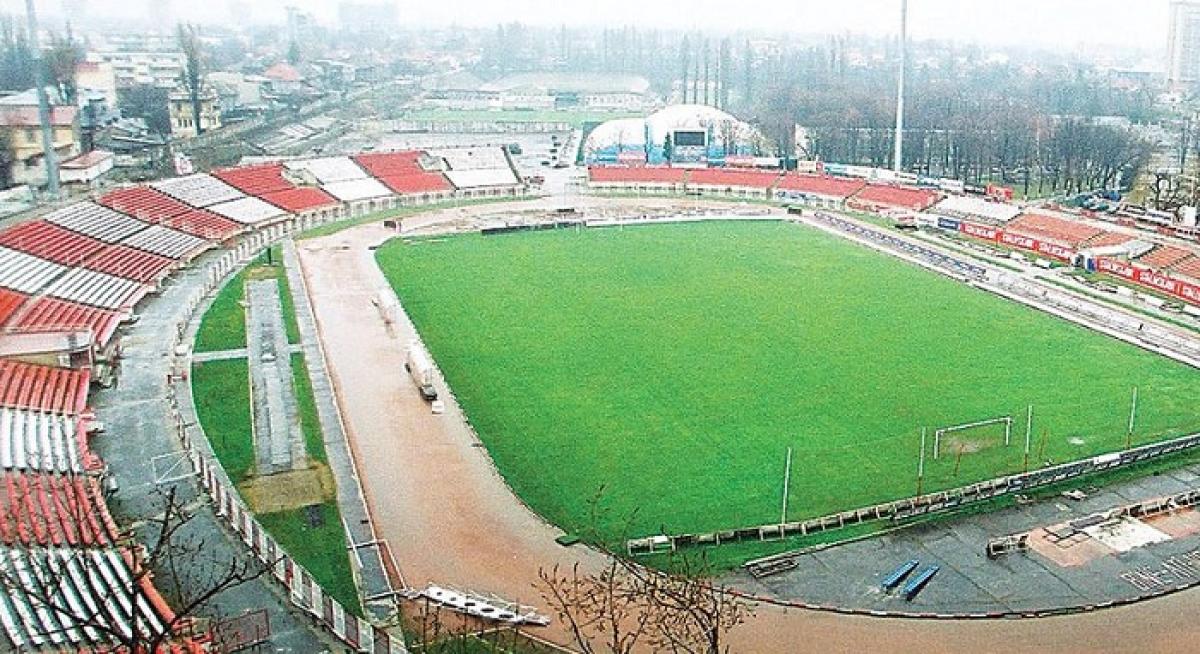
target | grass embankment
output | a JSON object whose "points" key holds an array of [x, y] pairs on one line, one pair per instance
{"points": [[223, 326], [675, 365]]}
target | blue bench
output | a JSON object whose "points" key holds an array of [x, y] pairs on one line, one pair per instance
{"points": [[896, 576], [917, 583]]}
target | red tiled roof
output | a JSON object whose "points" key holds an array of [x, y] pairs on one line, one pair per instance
{"points": [[255, 180], [48, 509], [10, 302], [301, 198], [733, 178], [416, 183], [282, 72], [647, 174], [144, 203], [204, 224], [900, 197], [22, 116], [47, 314], [130, 263], [838, 187], [43, 388], [49, 241]]}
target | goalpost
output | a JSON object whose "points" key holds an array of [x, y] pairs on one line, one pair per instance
{"points": [[938, 434]]}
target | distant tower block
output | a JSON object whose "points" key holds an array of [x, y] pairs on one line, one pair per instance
{"points": [[1183, 45]]}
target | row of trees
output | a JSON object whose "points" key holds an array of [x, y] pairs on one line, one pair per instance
{"points": [[1030, 122], [59, 58], [1042, 131]]}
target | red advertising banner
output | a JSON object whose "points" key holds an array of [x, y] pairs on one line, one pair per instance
{"points": [[1189, 292], [1159, 282], [1019, 241], [1056, 251], [979, 231], [1002, 193], [1118, 268]]}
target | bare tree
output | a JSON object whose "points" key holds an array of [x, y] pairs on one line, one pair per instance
{"points": [[193, 68], [63, 56], [624, 606], [173, 565]]}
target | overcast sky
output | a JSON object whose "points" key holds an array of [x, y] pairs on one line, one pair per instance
{"points": [[1062, 22]]}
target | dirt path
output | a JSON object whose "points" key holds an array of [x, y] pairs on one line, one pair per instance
{"points": [[450, 519]]}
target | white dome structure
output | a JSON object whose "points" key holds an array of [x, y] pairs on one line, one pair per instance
{"points": [[621, 133], [693, 133]]}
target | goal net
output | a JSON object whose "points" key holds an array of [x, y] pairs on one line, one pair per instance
{"points": [[971, 437]]}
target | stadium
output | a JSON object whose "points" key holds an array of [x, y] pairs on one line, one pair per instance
{"points": [[485, 384]]}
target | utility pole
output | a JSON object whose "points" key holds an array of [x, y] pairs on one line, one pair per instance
{"points": [[50, 157], [787, 481], [898, 162], [1132, 418], [921, 464]]}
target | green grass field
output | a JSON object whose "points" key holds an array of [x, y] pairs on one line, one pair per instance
{"points": [[674, 366]]}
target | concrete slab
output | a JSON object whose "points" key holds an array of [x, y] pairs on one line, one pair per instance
{"points": [[278, 437]]}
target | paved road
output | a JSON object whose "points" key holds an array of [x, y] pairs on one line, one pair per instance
{"points": [[450, 518]]}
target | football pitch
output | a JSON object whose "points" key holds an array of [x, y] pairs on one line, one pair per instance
{"points": [[673, 366]]}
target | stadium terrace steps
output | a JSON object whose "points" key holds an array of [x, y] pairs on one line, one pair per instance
{"points": [[144, 203], [733, 178], [10, 303], [53, 510], [167, 242], [47, 314], [49, 241], [97, 289], [300, 199], [96, 221], [328, 170], [989, 211], [256, 180], [822, 185], [1107, 239], [353, 190], [1056, 230], [645, 175], [33, 441], [26, 273], [199, 190], [156, 207], [204, 224], [1165, 256], [59, 391], [87, 579], [131, 263], [248, 211], [1189, 267], [896, 197]]}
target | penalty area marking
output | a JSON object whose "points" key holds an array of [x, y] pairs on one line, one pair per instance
{"points": [[171, 467]]}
